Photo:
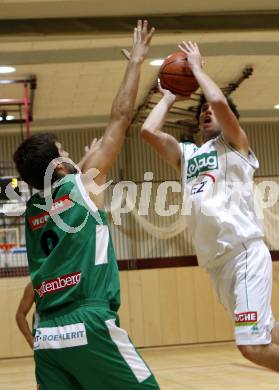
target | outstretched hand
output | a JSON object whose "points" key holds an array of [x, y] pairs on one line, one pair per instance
{"points": [[88, 152], [141, 42], [193, 54], [93, 146]]}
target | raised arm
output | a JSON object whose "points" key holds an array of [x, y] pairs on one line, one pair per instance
{"points": [[214, 96], [122, 106], [24, 307], [164, 144]]}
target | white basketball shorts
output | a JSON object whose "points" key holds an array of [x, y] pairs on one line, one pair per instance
{"points": [[243, 282]]}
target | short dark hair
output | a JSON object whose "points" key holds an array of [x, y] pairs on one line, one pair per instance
{"points": [[202, 101], [33, 156]]}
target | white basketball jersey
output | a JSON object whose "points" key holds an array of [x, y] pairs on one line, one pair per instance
{"points": [[218, 198]]}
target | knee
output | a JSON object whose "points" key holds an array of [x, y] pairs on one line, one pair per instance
{"points": [[252, 352]]}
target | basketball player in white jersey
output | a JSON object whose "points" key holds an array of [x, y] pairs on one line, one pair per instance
{"points": [[219, 204]]}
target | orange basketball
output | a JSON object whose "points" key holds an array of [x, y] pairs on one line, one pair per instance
{"points": [[176, 76]]}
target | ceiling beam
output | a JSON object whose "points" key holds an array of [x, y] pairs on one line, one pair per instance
{"points": [[176, 23]]}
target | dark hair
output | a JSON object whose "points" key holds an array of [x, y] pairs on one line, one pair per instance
{"points": [[33, 156], [203, 101]]}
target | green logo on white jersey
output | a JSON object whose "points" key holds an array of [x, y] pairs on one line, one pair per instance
{"points": [[202, 163]]}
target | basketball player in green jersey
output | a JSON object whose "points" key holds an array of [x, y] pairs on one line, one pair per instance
{"points": [[78, 344], [217, 180], [28, 297]]}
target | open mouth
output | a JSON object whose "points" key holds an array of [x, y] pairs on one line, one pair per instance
{"points": [[207, 120]]}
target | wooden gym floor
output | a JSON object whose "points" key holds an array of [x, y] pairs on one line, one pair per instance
{"points": [[200, 367]]}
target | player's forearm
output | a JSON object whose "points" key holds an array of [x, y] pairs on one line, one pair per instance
{"points": [[108, 148], [164, 144], [211, 91], [227, 120], [123, 104], [24, 328], [156, 119], [30, 340], [121, 116]]}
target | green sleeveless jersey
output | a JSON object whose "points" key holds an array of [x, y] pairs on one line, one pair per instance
{"points": [[69, 248]]}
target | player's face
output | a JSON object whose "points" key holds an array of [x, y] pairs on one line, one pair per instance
{"points": [[208, 123]]}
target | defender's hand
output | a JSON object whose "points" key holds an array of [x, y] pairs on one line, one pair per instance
{"points": [[88, 152], [93, 146], [141, 43]]}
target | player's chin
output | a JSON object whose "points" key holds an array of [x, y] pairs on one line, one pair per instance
{"points": [[209, 131], [207, 128]]}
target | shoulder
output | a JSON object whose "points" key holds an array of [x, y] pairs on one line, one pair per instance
{"points": [[188, 148], [35, 198], [250, 158]]}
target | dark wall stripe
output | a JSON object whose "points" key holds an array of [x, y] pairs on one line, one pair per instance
{"points": [[191, 21], [167, 262], [132, 265]]}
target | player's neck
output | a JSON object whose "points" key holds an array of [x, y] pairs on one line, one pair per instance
{"points": [[208, 137]]}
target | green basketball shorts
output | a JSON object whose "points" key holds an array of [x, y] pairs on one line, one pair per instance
{"points": [[81, 347]]}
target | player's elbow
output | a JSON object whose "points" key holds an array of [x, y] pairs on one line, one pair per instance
{"points": [[144, 131], [18, 317], [147, 133], [219, 103], [123, 120], [153, 138], [121, 114]]}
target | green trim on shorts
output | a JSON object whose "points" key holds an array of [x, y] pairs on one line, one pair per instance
{"points": [[246, 324]]}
